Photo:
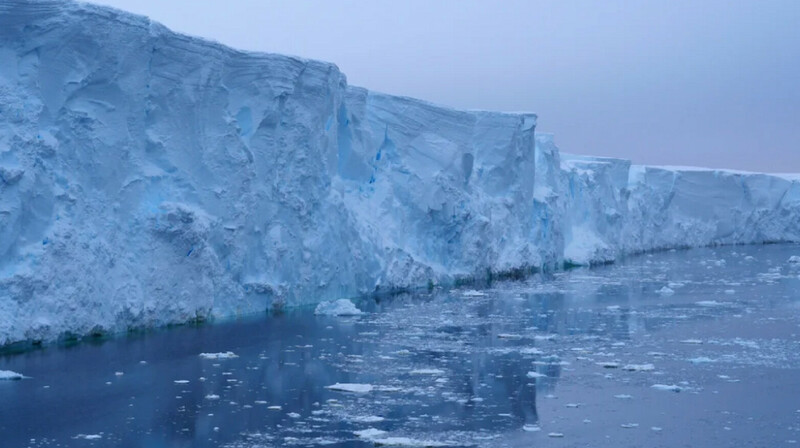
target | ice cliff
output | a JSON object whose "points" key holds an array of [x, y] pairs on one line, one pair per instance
{"points": [[148, 177]]}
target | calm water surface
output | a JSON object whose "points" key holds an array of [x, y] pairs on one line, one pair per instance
{"points": [[568, 360]]}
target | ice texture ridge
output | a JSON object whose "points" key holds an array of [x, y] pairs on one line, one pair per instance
{"points": [[148, 177]]}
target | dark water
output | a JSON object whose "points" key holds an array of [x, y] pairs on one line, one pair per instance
{"points": [[514, 365]]}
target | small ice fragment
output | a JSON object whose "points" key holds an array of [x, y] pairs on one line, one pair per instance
{"points": [[623, 396], [426, 372], [639, 367], [181, 381], [536, 375], [531, 351], [629, 425], [341, 307], [274, 408], [9, 375], [472, 293], [260, 402], [573, 405], [221, 355], [667, 387], [89, 436], [656, 428], [369, 433], [212, 397], [608, 364], [710, 303], [293, 415], [351, 387], [794, 259], [555, 434], [666, 291], [509, 336], [368, 419], [119, 373], [700, 360], [692, 341], [531, 428]]}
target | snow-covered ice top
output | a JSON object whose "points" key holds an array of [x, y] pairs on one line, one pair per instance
{"points": [[147, 177]]}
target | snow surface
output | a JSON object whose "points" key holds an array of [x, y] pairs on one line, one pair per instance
{"points": [[148, 177]]}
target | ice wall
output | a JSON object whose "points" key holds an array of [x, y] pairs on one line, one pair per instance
{"points": [[148, 177]]}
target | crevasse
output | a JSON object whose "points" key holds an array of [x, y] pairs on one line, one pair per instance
{"points": [[148, 177]]}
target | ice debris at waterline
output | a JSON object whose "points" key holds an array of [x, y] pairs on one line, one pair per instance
{"points": [[341, 307], [148, 177]]}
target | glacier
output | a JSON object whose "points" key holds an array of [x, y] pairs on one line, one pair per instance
{"points": [[150, 178]]}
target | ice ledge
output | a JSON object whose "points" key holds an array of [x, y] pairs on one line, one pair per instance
{"points": [[148, 178]]}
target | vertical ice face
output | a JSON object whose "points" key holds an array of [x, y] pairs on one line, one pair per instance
{"points": [[148, 177]]}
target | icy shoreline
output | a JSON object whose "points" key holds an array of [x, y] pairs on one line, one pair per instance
{"points": [[149, 178]]}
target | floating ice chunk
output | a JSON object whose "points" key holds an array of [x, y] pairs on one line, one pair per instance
{"points": [[181, 381], [274, 408], [794, 259], [212, 397], [369, 433], [555, 434], [710, 303], [531, 428], [221, 355], [368, 419], [666, 291], [531, 351], [89, 436], [639, 367], [608, 364], [427, 372], [701, 360], [9, 375], [545, 337], [341, 307], [293, 415], [509, 336], [536, 375], [351, 387], [623, 396], [629, 425], [692, 341], [656, 428], [405, 441], [472, 293], [667, 387]]}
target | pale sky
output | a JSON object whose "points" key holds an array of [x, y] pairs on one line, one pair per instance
{"points": [[673, 82]]}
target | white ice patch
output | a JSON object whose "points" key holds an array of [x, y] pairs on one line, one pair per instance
{"points": [[341, 307], [9, 375], [351, 387], [710, 303], [667, 387], [536, 375], [427, 372], [639, 367], [666, 291], [221, 355], [473, 293]]}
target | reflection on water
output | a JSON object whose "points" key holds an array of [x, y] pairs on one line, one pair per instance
{"points": [[451, 367]]}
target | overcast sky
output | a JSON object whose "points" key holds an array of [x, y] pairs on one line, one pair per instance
{"points": [[677, 82]]}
